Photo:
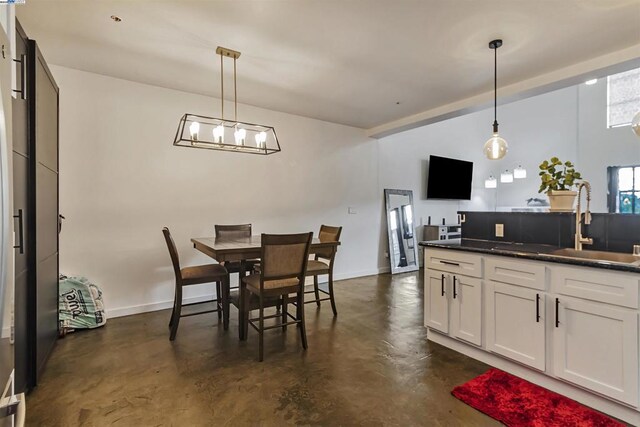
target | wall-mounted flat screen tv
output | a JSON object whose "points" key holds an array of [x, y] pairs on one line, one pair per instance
{"points": [[449, 178]]}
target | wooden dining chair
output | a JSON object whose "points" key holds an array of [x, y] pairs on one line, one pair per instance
{"points": [[284, 263], [235, 231], [322, 264], [195, 275]]}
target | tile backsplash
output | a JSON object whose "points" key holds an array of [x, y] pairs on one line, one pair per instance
{"points": [[610, 232]]}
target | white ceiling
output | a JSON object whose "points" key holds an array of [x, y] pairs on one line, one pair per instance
{"points": [[344, 61]]}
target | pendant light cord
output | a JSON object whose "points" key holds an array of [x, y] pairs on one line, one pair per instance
{"points": [[222, 84], [235, 89], [495, 89]]}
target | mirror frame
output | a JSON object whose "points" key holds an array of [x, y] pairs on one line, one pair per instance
{"points": [[388, 192]]}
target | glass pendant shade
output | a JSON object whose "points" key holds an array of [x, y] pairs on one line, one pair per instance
{"points": [[490, 182], [519, 172], [506, 177], [496, 147], [635, 124]]}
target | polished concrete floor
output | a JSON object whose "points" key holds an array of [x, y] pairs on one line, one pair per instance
{"points": [[372, 365]]}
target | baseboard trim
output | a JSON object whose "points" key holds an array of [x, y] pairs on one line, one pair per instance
{"points": [[163, 305], [154, 306]]}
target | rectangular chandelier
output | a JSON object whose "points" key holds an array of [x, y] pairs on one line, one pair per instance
{"points": [[222, 134], [227, 135]]}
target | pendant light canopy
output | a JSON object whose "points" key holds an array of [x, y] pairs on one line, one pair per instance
{"points": [[213, 133], [496, 147]]}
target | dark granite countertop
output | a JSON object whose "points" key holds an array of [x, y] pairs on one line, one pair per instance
{"points": [[525, 251]]}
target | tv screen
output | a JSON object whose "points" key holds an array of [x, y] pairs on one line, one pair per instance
{"points": [[449, 178]]}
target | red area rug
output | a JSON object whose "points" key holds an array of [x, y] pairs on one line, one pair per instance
{"points": [[516, 402]]}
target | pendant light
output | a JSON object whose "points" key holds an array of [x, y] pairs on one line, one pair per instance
{"points": [[519, 172], [212, 133], [490, 182], [506, 177], [496, 147]]}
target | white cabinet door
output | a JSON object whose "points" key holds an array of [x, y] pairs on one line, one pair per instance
{"points": [[466, 309], [436, 303], [515, 323], [595, 345]]}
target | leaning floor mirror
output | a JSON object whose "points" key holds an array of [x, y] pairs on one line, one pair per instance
{"points": [[403, 250]]}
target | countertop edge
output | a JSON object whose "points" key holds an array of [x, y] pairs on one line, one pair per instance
{"points": [[456, 245]]}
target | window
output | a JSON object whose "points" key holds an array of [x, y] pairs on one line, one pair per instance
{"points": [[624, 189], [623, 97]]}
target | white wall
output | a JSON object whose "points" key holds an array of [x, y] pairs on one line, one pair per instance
{"points": [[121, 181], [535, 128]]}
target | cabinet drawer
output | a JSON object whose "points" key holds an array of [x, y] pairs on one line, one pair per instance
{"points": [[516, 272], [453, 262], [597, 285]]}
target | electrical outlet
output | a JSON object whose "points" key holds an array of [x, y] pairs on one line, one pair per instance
{"points": [[352, 211], [386, 254], [499, 230]]}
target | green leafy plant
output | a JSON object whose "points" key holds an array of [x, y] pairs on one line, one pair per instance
{"points": [[557, 175]]}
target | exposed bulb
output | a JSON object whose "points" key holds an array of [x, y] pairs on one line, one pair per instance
{"points": [[490, 182], [261, 138], [194, 128], [519, 172], [240, 135], [495, 148], [218, 134], [635, 124]]}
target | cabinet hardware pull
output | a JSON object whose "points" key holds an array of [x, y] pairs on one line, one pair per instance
{"points": [[557, 311], [454, 287], [450, 263], [442, 283], [22, 91], [537, 308], [20, 232]]}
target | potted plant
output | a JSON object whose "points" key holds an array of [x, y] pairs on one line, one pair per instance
{"points": [[557, 181]]}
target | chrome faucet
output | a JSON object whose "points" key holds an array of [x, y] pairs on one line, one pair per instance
{"points": [[580, 239]]}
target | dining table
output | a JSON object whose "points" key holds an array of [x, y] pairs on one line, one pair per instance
{"points": [[242, 249]]}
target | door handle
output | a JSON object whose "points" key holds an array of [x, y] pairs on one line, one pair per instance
{"points": [[22, 91], [442, 283], [454, 287], [557, 312], [537, 308], [450, 263], [20, 231]]}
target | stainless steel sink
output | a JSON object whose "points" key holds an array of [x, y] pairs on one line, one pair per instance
{"points": [[599, 256]]}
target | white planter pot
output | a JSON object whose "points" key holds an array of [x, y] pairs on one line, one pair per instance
{"points": [[562, 200]]}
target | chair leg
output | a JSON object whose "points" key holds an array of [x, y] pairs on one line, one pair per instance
{"points": [[284, 312], [225, 303], [333, 299], [261, 332], [315, 288], [173, 309], [219, 300], [303, 330], [245, 317], [176, 315]]}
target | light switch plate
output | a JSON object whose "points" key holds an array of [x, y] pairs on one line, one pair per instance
{"points": [[499, 230], [353, 211]]}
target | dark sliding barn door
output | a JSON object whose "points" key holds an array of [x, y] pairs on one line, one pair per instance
{"points": [[35, 194], [44, 144]]}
